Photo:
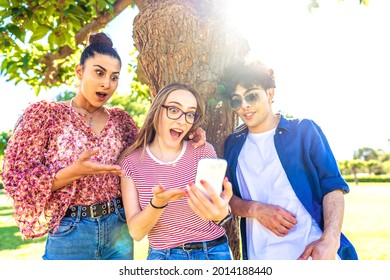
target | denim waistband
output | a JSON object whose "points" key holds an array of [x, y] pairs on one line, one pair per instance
{"points": [[199, 245]]}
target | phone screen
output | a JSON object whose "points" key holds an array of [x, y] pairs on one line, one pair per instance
{"points": [[213, 171]]}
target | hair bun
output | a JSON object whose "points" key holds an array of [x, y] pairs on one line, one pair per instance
{"points": [[100, 38]]}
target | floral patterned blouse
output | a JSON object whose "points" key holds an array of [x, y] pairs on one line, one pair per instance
{"points": [[51, 136]]}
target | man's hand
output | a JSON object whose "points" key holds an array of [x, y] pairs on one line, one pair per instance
{"points": [[276, 219], [198, 137], [321, 249]]}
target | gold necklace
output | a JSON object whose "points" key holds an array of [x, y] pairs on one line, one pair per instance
{"points": [[91, 115]]}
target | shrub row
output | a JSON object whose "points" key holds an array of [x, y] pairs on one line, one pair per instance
{"points": [[368, 179]]}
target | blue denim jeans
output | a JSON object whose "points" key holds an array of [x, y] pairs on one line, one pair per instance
{"points": [[219, 252], [104, 238]]}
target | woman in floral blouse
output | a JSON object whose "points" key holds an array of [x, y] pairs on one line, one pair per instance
{"points": [[60, 165]]}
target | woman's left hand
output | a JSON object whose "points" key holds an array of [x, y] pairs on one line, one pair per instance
{"points": [[210, 206], [162, 196], [198, 137]]}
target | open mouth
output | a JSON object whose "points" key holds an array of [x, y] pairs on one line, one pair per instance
{"points": [[101, 95], [176, 133]]}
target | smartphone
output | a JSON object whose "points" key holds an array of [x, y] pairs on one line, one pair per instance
{"points": [[213, 171]]}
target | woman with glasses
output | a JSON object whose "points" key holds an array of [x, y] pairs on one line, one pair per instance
{"points": [[159, 196]]}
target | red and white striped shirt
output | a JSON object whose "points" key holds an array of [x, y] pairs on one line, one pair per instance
{"points": [[178, 224]]}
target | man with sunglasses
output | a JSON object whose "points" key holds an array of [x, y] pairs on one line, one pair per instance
{"points": [[287, 187]]}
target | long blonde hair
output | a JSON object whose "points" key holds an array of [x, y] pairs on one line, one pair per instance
{"points": [[149, 129]]}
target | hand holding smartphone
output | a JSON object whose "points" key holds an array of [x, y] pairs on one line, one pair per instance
{"points": [[213, 171]]}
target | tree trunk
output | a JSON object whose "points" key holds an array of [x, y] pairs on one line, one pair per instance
{"points": [[355, 177], [188, 42]]}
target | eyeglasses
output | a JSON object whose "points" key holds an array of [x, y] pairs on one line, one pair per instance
{"points": [[252, 99], [175, 113]]}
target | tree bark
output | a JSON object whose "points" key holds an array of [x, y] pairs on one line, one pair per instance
{"points": [[189, 42]]}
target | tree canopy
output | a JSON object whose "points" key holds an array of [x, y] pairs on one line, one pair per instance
{"points": [[40, 39]]}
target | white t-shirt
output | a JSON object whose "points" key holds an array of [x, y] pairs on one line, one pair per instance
{"points": [[262, 178]]}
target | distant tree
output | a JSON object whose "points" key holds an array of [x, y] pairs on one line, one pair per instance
{"points": [[65, 95], [1, 171], [386, 166], [365, 154], [384, 157], [355, 166], [344, 167], [136, 105], [371, 165], [4, 136]]}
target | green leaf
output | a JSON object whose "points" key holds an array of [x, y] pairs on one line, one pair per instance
{"points": [[36, 91], [61, 39], [29, 13], [15, 30], [29, 25], [6, 43], [39, 33], [50, 10], [3, 66], [25, 60], [74, 21], [212, 102], [4, 14], [101, 6], [4, 3]]}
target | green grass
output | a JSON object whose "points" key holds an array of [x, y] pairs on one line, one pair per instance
{"points": [[12, 247], [367, 220], [366, 224]]}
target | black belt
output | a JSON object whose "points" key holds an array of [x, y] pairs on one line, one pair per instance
{"points": [[95, 210], [199, 245]]}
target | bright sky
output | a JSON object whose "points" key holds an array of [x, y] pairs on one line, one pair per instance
{"points": [[331, 66]]}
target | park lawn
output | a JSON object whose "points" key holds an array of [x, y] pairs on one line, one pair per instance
{"points": [[367, 220], [366, 224], [12, 247]]}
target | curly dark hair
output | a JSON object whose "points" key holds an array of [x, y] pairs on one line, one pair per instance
{"points": [[246, 74]]}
